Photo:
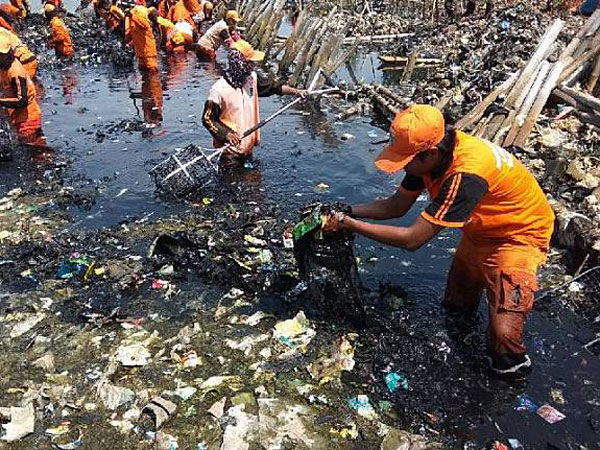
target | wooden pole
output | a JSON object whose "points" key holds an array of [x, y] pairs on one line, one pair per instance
{"points": [[591, 84], [530, 68], [527, 103], [539, 104], [475, 114]]}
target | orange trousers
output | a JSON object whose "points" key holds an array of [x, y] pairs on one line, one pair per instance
{"points": [[31, 68], [148, 62], [508, 274], [30, 132]]}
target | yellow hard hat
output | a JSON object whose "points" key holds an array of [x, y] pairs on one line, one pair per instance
{"points": [[48, 8], [5, 44], [233, 14]]}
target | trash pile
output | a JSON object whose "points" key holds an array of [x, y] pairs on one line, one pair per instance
{"points": [[94, 43]]}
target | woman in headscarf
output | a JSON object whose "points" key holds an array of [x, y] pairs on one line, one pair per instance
{"points": [[232, 105]]}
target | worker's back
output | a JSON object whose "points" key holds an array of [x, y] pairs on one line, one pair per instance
{"points": [[514, 209]]}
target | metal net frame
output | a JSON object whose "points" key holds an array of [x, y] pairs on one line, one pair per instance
{"points": [[188, 169]]}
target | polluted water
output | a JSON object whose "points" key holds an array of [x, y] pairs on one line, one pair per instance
{"points": [[128, 320]]}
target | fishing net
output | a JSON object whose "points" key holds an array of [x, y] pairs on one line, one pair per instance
{"points": [[8, 141], [187, 170], [327, 265], [581, 294]]}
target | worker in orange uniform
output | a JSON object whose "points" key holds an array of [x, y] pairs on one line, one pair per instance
{"points": [[60, 40], [10, 13], [152, 98], [479, 187], [138, 33], [22, 6], [232, 105], [58, 4], [179, 13], [224, 31], [22, 52], [18, 97], [174, 38], [115, 18]]}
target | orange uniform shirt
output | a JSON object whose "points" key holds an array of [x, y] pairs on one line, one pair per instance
{"points": [[22, 52], [193, 6], [138, 31], [11, 10], [60, 39], [490, 194], [178, 12], [114, 17], [11, 79]]}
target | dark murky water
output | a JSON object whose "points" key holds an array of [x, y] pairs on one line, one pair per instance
{"points": [[300, 151]]}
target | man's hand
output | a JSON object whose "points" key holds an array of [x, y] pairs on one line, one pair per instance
{"points": [[233, 138], [302, 93], [334, 222]]}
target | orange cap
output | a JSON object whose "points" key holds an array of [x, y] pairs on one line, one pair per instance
{"points": [[233, 14], [417, 128], [248, 51], [48, 8]]}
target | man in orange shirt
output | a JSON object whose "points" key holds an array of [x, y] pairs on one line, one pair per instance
{"points": [[18, 97], [179, 13], [138, 33], [60, 40], [482, 189], [22, 52], [22, 6]]}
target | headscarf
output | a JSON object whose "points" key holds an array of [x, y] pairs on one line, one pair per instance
{"points": [[239, 69]]}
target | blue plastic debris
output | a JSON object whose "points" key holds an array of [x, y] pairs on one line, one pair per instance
{"points": [[526, 404], [395, 380]]}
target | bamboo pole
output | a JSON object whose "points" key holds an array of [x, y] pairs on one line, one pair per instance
{"points": [[410, 66], [581, 97], [528, 71], [591, 84], [527, 103], [539, 104], [477, 112]]}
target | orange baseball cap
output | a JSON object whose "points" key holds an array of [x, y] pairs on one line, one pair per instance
{"points": [[417, 128], [248, 51], [233, 14]]}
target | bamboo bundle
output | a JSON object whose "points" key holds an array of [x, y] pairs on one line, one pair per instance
{"points": [[527, 91]]}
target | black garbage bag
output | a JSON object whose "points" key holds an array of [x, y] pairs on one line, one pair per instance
{"points": [[327, 265]]}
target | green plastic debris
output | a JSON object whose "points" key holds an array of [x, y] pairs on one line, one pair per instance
{"points": [[308, 224]]}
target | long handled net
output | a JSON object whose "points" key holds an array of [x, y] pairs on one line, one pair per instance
{"points": [[193, 167]]}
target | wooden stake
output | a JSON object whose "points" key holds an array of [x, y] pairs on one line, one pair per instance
{"points": [[539, 104]]}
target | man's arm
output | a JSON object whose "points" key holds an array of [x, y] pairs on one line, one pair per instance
{"points": [[19, 88], [409, 238]]}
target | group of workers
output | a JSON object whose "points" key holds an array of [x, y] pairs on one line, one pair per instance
{"points": [[473, 184]]}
